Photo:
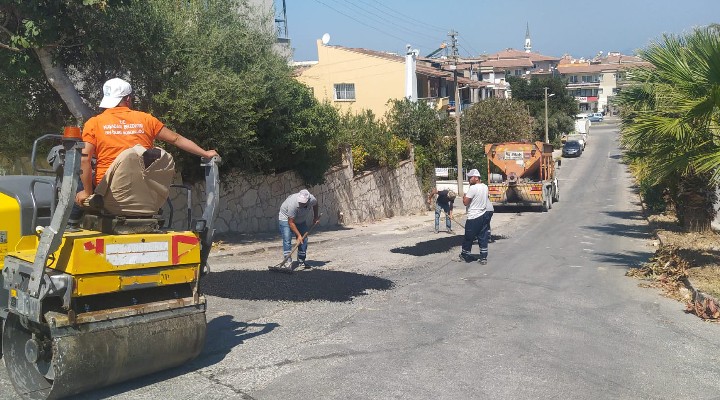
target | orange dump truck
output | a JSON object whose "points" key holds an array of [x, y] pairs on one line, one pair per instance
{"points": [[522, 174]]}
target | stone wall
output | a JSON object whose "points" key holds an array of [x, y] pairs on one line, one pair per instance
{"points": [[250, 203]]}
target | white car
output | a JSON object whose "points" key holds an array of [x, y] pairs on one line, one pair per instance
{"points": [[596, 117]]}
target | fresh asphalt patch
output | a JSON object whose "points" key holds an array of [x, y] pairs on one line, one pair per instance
{"points": [[301, 286]]}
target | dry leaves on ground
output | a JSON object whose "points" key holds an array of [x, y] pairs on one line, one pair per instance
{"points": [[685, 260], [666, 270]]}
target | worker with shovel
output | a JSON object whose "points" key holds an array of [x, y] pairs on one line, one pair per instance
{"points": [[293, 221], [444, 202]]}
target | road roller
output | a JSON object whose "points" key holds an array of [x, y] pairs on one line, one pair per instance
{"points": [[114, 299]]}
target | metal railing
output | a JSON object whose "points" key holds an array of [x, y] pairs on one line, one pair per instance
{"points": [[451, 173]]}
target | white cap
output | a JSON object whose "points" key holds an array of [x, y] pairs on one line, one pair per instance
{"points": [[473, 172], [113, 91], [303, 196]]}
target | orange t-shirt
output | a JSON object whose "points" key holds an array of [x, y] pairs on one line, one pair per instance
{"points": [[117, 129]]}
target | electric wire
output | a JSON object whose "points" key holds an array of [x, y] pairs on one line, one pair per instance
{"points": [[403, 19], [360, 22], [471, 54], [376, 19], [403, 15]]}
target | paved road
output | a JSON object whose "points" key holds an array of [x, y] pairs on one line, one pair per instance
{"points": [[387, 312]]}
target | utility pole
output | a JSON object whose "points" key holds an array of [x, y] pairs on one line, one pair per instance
{"points": [[458, 144], [546, 121]]}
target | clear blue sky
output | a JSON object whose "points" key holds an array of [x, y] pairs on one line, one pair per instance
{"points": [[581, 29]]}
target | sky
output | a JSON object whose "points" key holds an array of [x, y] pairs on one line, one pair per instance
{"points": [[557, 27]]}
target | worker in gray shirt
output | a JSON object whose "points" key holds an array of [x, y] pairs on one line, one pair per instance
{"points": [[293, 220]]}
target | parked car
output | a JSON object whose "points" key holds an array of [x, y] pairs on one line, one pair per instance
{"points": [[596, 117], [572, 148]]}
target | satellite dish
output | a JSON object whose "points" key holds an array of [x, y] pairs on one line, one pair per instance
{"points": [[326, 38]]}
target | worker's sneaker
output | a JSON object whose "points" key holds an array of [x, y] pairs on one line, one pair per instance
{"points": [[450, 231], [302, 264], [437, 230], [483, 261], [466, 257]]}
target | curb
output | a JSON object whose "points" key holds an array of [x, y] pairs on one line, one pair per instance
{"points": [[276, 245], [697, 296]]}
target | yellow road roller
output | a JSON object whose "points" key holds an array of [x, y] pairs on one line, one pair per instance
{"points": [[113, 300]]}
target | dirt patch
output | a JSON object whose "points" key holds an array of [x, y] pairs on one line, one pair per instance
{"points": [[684, 262]]}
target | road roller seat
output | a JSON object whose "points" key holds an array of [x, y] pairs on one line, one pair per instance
{"points": [[131, 193]]}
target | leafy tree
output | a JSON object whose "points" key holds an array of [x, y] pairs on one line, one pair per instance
{"points": [[370, 141], [670, 119], [562, 107], [426, 129], [493, 120], [206, 69]]}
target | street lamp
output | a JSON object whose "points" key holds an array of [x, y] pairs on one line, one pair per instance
{"points": [[546, 119]]}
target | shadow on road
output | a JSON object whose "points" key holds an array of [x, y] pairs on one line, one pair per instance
{"points": [[439, 245], [631, 231], [629, 260], [223, 334], [303, 285], [634, 215]]}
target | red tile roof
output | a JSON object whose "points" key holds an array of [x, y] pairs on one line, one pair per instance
{"points": [[516, 54], [431, 71], [508, 63]]}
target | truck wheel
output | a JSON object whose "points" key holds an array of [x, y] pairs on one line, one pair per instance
{"points": [[556, 194], [546, 204]]}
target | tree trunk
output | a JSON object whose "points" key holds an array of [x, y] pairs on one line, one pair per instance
{"points": [[696, 203], [695, 219], [59, 80]]}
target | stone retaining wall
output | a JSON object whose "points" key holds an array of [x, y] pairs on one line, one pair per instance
{"points": [[250, 203]]}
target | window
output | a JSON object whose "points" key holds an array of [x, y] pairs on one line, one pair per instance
{"points": [[518, 72], [572, 79], [344, 91]]}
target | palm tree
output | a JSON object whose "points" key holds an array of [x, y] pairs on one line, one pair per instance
{"points": [[670, 122]]}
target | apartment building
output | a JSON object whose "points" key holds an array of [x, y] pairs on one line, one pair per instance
{"points": [[357, 79], [595, 82]]}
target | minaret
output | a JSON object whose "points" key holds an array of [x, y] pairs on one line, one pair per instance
{"points": [[528, 44]]}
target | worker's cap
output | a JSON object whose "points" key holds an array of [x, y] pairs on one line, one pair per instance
{"points": [[473, 172], [303, 196], [451, 194], [113, 91]]}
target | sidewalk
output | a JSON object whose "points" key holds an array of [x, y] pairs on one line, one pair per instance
{"points": [[238, 244]]}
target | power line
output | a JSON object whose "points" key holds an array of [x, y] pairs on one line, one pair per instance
{"points": [[403, 18], [408, 17], [467, 51], [361, 22], [394, 23]]}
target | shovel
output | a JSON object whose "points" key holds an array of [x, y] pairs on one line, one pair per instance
{"points": [[490, 239], [457, 222], [281, 267]]}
